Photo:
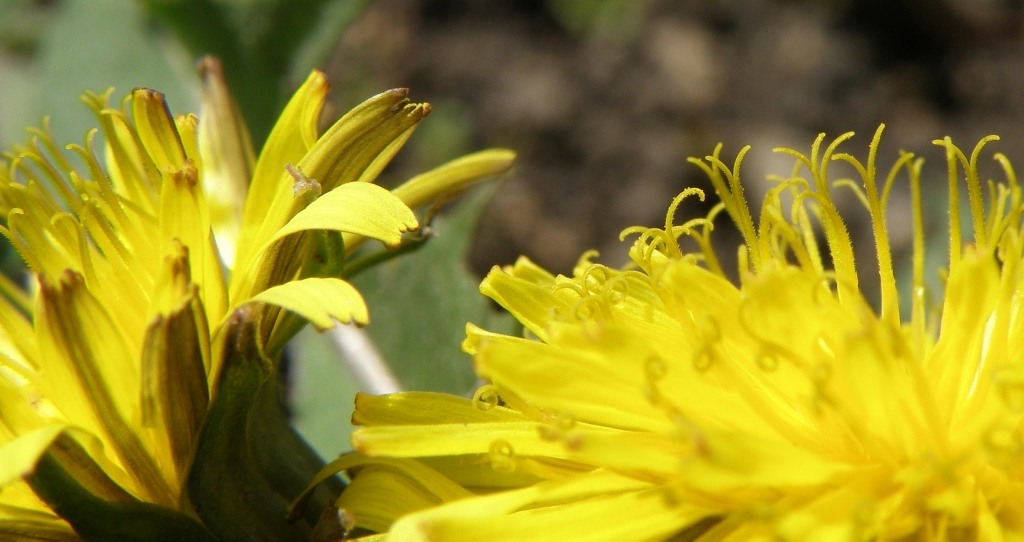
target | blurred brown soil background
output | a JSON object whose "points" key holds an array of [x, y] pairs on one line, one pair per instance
{"points": [[604, 100]]}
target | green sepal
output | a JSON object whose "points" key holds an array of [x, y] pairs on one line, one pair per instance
{"points": [[286, 459], [248, 462], [225, 487], [57, 482]]}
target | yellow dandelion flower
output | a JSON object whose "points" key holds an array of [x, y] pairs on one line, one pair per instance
{"points": [[666, 401], [137, 396]]}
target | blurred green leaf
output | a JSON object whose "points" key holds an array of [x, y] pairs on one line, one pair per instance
{"points": [[21, 24], [90, 45], [616, 20], [321, 393]]}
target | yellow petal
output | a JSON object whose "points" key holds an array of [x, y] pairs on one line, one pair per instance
{"points": [[725, 462], [503, 440], [365, 209], [394, 487], [174, 389], [454, 176], [17, 342], [227, 157], [356, 208], [363, 140], [185, 220], [958, 366], [94, 375], [531, 301], [639, 516], [427, 481], [597, 379], [320, 300], [18, 457], [26, 518], [156, 128], [339, 156], [83, 458], [410, 408], [292, 135], [132, 172], [533, 513]]}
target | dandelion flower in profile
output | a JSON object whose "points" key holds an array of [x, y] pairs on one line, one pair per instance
{"points": [[665, 401], [169, 267]]}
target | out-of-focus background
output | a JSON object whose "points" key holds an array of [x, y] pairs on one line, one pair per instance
{"points": [[602, 99]]}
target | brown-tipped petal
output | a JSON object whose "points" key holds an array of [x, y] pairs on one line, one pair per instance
{"points": [[92, 371], [156, 128], [175, 393], [454, 176]]}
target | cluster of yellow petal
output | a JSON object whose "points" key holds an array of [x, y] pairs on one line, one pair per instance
{"points": [[663, 400], [147, 255]]}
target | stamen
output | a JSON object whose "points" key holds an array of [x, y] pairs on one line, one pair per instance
{"points": [[974, 192], [876, 210], [918, 316], [502, 456], [801, 219], [593, 279], [616, 290], [44, 135], [562, 283], [587, 308], [304, 186], [486, 397], [706, 350], [731, 195], [670, 215]]}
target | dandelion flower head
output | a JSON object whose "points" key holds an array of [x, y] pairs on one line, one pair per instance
{"points": [[664, 400], [167, 258]]}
